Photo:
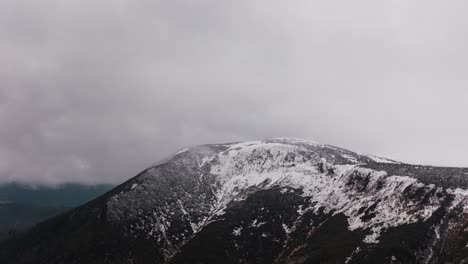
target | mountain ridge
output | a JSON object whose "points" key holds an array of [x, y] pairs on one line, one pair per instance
{"points": [[279, 196]]}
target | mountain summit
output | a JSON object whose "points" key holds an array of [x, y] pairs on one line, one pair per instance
{"points": [[271, 201]]}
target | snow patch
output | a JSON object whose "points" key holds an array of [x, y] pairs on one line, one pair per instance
{"points": [[264, 165], [181, 151], [297, 141], [182, 208], [350, 158], [460, 199], [257, 224], [237, 231], [380, 159], [356, 251]]}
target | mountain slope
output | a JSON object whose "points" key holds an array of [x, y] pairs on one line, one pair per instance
{"points": [[272, 201]]}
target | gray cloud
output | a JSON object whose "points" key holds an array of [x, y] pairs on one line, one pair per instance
{"points": [[94, 91]]}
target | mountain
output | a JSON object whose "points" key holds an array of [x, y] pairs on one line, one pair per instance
{"points": [[23, 206], [272, 201]]}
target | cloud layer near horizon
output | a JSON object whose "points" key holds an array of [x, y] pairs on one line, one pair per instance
{"points": [[94, 91]]}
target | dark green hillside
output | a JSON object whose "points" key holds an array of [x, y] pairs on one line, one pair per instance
{"points": [[23, 206], [67, 195]]}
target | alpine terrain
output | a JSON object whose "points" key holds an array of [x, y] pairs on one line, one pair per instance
{"points": [[271, 201]]}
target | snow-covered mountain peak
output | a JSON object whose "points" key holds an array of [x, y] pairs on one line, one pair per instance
{"points": [[336, 188], [276, 201]]}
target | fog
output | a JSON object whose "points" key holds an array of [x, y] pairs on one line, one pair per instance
{"points": [[95, 91]]}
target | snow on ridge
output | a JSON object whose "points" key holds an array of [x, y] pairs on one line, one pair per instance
{"points": [[296, 141], [181, 151], [168, 159], [263, 165], [350, 158], [283, 163], [460, 199], [380, 159]]}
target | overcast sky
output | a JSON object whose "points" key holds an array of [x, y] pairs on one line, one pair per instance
{"points": [[93, 91]]}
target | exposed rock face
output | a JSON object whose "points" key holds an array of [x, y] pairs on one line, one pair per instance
{"points": [[274, 201]]}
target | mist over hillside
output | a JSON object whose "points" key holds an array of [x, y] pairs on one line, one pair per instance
{"points": [[66, 195], [22, 206]]}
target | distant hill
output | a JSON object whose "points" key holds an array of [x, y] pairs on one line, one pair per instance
{"points": [[67, 195], [15, 218], [23, 206]]}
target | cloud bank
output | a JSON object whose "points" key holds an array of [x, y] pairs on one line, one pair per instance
{"points": [[94, 91]]}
